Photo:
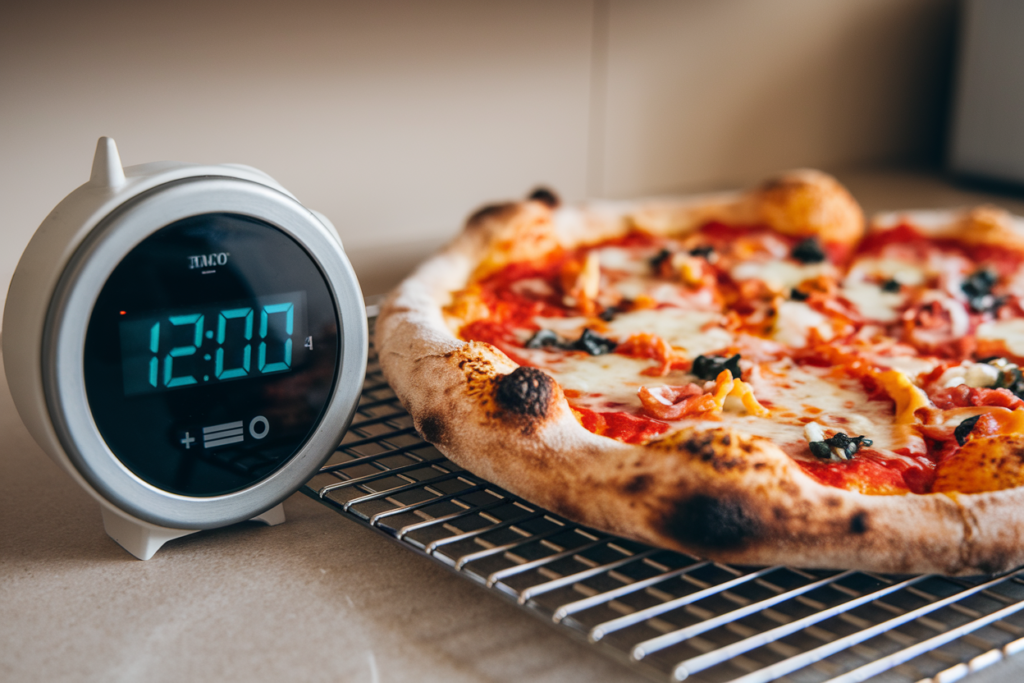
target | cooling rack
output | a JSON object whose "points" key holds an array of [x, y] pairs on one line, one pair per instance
{"points": [[671, 616]]}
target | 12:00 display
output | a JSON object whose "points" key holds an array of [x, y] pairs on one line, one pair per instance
{"points": [[233, 340]]}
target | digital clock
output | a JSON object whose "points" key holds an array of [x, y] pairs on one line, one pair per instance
{"points": [[189, 342]]}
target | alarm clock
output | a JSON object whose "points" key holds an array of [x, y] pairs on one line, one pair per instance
{"points": [[187, 341]]}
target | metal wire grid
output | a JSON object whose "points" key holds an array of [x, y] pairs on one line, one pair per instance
{"points": [[669, 615]]}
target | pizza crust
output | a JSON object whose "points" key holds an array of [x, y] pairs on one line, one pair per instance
{"points": [[715, 493]]}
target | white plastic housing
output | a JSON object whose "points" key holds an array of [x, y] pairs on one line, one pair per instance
{"points": [[31, 294]]}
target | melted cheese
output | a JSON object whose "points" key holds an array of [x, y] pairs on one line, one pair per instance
{"points": [[570, 328], [789, 391], [908, 365], [974, 375], [907, 396], [793, 391], [608, 382], [632, 261], [779, 397], [871, 301], [1011, 332], [680, 328], [779, 275], [795, 320], [901, 271]]}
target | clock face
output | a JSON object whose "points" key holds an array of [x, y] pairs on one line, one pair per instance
{"points": [[211, 354]]}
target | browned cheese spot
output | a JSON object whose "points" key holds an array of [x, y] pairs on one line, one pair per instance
{"points": [[525, 391]]}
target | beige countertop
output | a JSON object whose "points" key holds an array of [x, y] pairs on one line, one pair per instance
{"points": [[316, 598]]}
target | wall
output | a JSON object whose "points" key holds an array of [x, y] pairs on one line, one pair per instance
{"points": [[396, 118]]}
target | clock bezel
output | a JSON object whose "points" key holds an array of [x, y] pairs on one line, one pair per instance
{"points": [[71, 309]]}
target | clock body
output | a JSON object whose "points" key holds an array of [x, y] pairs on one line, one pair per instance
{"points": [[188, 342]]}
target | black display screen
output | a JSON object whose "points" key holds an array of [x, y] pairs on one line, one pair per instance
{"points": [[228, 340], [211, 354]]}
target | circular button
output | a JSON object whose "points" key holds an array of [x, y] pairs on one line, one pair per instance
{"points": [[259, 420]]}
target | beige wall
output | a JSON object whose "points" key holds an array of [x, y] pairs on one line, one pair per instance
{"points": [[397, 118]]}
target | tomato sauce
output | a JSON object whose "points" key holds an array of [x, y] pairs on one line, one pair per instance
{"points": [[621, 425], [871, 472]]}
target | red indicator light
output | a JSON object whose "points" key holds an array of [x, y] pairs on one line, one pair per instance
{"points": [[122, 312]]}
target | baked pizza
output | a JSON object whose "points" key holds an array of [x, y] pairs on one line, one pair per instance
{"points": [[755, 377]]}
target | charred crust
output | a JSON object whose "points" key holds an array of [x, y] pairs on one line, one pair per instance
{"points": [[638, 484], [779, 183], [859, 523], [999, 561], [491, 212], [719, 455], [707, 522], [525, 391], [431, 428], [546, 197]]}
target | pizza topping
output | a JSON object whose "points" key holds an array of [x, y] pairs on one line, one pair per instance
{"points": [[709, 367], [1009, 378], [1009, 332], [646, 345], [809, 251], [676, 402], [964, 429], [546, 197], [593, 343], [971, 374], [696, 331], [978, 288], [589, 341], [777, 275], [962, 396], [795, 320], [706, 252], [660, 259], [938, 325], [985, 375], [908, 397], [543, 339], [819, 347], [814, 435], [580, 281], [838, 447], [872, 300], [689, 268]]}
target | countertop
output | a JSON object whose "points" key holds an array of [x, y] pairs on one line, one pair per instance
{"points": [[316, 598]]}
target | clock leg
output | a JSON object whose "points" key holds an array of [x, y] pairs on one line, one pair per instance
{"points": [[271, 517], [139, 538]]}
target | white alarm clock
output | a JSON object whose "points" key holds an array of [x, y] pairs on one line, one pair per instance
{"points": [[187, 341]]}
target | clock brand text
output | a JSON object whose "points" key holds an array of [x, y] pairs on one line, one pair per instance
{"points": [[208, 260]]}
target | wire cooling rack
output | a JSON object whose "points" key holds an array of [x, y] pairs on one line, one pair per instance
{"points": [[669, 615]]}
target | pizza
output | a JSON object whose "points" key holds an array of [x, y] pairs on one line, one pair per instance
{"points": [[756, 377]]}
